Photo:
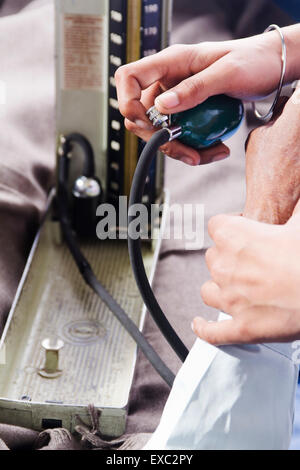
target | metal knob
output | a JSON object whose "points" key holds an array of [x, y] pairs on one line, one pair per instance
{"points": [[52, 348], [158, 119]]}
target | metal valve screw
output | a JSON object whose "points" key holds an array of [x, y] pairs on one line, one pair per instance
{"points": [[158, 119]]}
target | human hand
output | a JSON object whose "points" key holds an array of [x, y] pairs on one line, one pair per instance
{"points": [[254, 266], [243, 68], [255, 274]]}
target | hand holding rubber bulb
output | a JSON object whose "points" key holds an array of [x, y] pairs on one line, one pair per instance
{"points": [[208, 123]]}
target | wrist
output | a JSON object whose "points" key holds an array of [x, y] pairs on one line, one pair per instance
{"points": [[271, 208], [265, 212], [292, 41], [272, 42]]}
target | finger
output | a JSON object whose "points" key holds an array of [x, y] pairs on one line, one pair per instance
{"points": [[234, 230], [216, 225], [265, 324], [174, 149], [179, 151], [219, 333], [193, 90], [256, 325], [215, 292], [211, 255], [211, 295], [253, 329], [148, 96], [132, 78], [213, 154]]}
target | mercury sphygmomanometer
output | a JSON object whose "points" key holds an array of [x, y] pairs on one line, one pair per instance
{"points": [[205, 125]]}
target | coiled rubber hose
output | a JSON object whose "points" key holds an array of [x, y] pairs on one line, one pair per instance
{"points": [[134, 244]]}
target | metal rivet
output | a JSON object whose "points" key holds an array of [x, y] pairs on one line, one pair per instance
{"points": [[52, 348]]}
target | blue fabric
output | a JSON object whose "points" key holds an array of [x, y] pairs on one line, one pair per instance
{"points": [[292, 7]]}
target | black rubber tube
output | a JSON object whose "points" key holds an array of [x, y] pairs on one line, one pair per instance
{"points": [[90, 278], [89, 161], [134, 245]]}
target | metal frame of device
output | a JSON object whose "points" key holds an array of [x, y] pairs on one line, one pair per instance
{"points": [[98, 358]]}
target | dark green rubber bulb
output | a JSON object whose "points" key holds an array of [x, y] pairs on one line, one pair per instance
{"points": [[212, 121]]}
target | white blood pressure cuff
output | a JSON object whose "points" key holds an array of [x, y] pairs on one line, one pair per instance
{"points": [[231, 397]]}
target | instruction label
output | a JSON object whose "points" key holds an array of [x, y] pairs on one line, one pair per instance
{"points": [[83, 37]]}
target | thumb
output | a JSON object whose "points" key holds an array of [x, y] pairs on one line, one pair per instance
{"points": [[194, 90], [218, 332]]}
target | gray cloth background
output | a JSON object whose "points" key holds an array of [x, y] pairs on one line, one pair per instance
{"points": [[27, 170]]}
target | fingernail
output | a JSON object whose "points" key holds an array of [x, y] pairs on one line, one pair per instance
{"points": [[192, 326], [187, 160], [168, 100], [143, 125], [219, 157]]}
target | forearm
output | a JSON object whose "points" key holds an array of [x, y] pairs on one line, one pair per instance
{"points": [[272, 203], [273, 167]]}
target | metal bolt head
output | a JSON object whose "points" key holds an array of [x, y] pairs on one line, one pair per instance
{"points": [[51, 344], [52, 347], [158, 119], [62, 139], [86, 187]]}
